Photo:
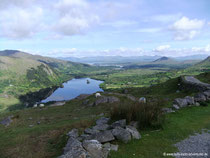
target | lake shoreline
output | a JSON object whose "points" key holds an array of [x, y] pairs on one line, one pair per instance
{"points": [[39, 97]]}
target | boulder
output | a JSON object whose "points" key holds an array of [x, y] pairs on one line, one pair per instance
{"points": [[41, 105], [142, 100], [110, 147], [73, 133], [74, 149], [83, 137], [90, 131], [95, 149], [190, 100], [134, 132], [181, 102], [176, 107], [207, 93], [102, 137], [200, 97], [120, 123], [6, 121], [101, 127], [122, 134], [167, 110], [102, 120]]}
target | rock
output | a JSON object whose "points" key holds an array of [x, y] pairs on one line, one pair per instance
{"points": [[102, 120], [120, 123], [190, 100], [74, 149], [200, 97], [101, 127], [181, 102], [83, 137], [35, 106], [90, 131], [41, 105], [85, 102], [98, 95], [207, 93], [112, 99], [142, 100], [134, 132], [95, 149], [38, 123], [197, 104], [102, 137], [121, 134], [167, 110], [134, 124], [110, 147], [7, 121], [30, 118], [73, 133], [176, 107]]}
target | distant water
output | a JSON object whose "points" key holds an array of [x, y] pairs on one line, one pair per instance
{"points": [[74, 88]]}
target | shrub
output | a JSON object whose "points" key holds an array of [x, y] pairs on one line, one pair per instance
{"points": [[203, 103], [148, 115]]}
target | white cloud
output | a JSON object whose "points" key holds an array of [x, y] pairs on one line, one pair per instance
{"points": [[20, 3], [22, 23], [162, 48], [205, 49], [165, 18], [120, 23], [186, 29], [74, 17]]}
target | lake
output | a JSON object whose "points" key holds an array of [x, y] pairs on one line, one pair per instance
{"points": [[74, 88]]}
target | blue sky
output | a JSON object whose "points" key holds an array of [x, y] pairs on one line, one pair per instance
{"points": [[106, 27]]}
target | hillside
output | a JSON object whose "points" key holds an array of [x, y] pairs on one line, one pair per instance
{"points": [[21, 73]]}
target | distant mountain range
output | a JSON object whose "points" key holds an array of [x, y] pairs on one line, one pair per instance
{"points": [[112, 60]]}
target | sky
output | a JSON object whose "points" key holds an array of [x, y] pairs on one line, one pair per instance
{"points": [[79, 28]]}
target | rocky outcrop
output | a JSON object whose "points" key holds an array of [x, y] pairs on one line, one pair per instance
{"points": [[191, 82], [95, 142], [202, 96]]}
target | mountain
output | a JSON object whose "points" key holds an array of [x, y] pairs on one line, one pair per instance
{"points": [[164, 60], [21, 73], [111, 60]]}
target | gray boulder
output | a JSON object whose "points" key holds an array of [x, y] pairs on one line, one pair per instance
{"points": [[110, 147], [83, 137], [207, 93], [102, 120], [181, 102], [74, 149], [134, 124], [101, 127], [200, 97], [90, 131], [73, 133], [134, 132], [122, 134], [190, 100], [120, 123], [102, 137], [95, 149]]}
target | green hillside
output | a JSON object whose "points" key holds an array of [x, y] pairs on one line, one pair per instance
{"points": [[21, 73]]}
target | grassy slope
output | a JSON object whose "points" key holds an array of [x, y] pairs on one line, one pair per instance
{"points": [[48, 138]]}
